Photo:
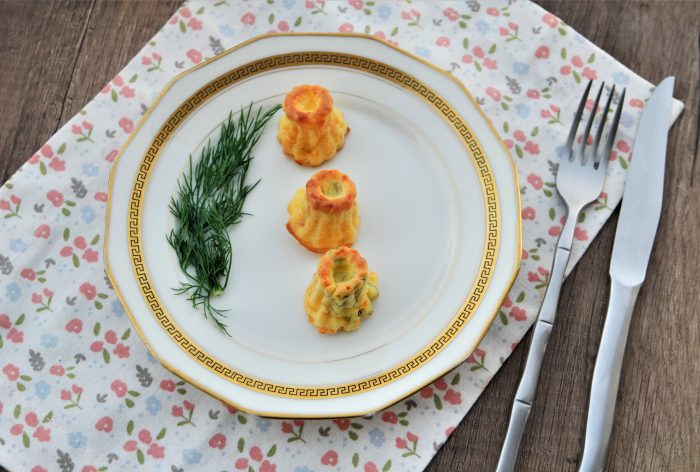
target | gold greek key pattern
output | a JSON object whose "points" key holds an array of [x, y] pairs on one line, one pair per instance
{"points": [[326, 59]]}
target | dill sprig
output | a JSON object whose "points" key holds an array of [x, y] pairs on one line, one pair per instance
{"points": [[209, 200]]}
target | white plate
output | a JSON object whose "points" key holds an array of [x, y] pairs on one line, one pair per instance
{"points": [[439, 206]]}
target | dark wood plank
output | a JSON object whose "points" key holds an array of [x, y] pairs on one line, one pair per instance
{"points": [[115, 33], [39, 44], [63, 53], [656, 420]]}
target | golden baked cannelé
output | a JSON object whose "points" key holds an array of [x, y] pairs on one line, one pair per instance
{"points": [[341, 292], [311, 130], [324, 215]]}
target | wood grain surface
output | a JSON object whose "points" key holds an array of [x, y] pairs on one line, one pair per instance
{"points": [[57, 56]]}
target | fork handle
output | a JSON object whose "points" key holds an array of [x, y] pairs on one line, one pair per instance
{"points": [[606, 376], [525, 394]]}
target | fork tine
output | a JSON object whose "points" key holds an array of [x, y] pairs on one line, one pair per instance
{"points": [[601, 126], [605, 155], [577, 120], [589, 125]]}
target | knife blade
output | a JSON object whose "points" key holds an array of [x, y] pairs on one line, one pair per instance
{"points": [[634, 238], [641, 200]]}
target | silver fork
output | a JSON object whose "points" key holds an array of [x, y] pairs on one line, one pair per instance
{"points": [[579, 182]]}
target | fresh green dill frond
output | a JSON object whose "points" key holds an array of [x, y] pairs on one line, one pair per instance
{"points": [[209, 199]]}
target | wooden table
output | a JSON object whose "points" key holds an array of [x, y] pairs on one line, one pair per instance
{"points": [[56, 56]]}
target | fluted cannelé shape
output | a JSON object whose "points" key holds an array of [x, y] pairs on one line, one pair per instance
{"points": [[324, 215], [311, 130], [341, 292]]}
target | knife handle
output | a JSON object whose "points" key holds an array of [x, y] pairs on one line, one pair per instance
{"points": [[606, 376]]}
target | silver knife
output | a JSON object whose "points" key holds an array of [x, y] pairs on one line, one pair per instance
{"points": [[636, 229]]}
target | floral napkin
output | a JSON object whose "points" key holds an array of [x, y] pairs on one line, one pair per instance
{"points": [[79, 390]]}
